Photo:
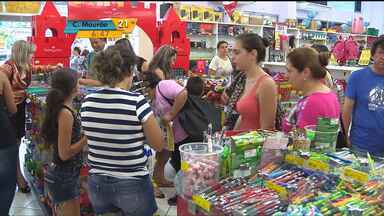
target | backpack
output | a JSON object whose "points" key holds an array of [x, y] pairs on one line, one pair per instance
{"points": [[192, 117]]}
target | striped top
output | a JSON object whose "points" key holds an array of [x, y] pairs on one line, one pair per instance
{"points": [[112, 120]]}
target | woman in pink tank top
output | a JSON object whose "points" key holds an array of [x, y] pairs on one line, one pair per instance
{"points": [[258, 103]]}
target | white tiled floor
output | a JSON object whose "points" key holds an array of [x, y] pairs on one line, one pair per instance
{"points": [[28, 204]]}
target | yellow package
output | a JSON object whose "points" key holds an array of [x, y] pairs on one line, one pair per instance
{"points": [[219, 17], [170, 138], [208, 15], [197, 13], [185, 12]]}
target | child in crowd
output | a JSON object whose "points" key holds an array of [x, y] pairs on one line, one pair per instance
{"points": [[62, 129]]}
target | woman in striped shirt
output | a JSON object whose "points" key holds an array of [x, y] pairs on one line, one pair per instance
{"points": [[116, 123]]}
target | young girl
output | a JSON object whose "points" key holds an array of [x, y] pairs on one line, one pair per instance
{"points": [[62, 129]]}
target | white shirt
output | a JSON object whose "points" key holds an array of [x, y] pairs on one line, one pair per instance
{"points": [[222, 67]]}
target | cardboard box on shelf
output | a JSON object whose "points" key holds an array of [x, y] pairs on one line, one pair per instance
{"points": [[256, 20], [244, 19]]}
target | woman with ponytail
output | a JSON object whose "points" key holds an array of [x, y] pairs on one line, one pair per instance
{"points": [[306, 74], [256, 99], [62, 130]]}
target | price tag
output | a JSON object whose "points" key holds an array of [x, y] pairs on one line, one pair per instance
{"points": [[356, 175], [279, 189], [293, 159], [318, 165], [184, 166], [201, 202]]}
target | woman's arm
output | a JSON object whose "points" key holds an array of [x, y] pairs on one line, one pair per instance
{"points": [[180, 100], [66, 149], [160, 73], [8, 94], [267, 95], [45, 68], [153, 134], [237, 125]]}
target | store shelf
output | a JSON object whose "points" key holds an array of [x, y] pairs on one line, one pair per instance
{"points": [[235, 24], [330, 67]]}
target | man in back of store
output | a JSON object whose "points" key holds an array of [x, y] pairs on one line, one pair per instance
{"points": [[98, 44], [364, 105]]}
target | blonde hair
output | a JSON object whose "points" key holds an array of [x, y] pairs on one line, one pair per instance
{"points": [[20, 51]]}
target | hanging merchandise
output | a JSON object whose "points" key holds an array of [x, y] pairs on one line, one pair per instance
{"points": [[358, 24], [365, 57], [229, 7]]}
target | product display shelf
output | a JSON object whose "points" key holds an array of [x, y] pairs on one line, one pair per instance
{"points": [[45, 207], [234, 24], [332, 179], [338, 72]]}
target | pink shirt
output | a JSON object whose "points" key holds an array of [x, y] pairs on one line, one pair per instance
{"points": [[310, 108], [170, 89]]}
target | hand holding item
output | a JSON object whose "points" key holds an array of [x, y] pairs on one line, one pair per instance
{"points": [[167, 118]]}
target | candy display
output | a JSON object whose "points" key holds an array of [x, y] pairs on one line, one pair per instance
{"points": [[200, 166], [304, 183]]}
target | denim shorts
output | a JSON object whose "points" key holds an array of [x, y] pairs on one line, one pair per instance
{"points": [[130, 196], [63, 183]]}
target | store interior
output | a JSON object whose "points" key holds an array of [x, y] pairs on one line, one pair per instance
{"points": [[258, 62]]}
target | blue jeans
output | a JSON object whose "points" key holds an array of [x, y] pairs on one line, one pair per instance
{"points": [[130, 196], [8, 161], [63, 183]]}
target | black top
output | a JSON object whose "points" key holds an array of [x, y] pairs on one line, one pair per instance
{"points": [[7, 132], [77, 160]]}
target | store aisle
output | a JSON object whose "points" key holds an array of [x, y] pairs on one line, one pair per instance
{"points": [[28, 204], [25, 204]]}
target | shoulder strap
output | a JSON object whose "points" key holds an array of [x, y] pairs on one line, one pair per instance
{"points": [[259, 81], [73, 113], [167, 99]]}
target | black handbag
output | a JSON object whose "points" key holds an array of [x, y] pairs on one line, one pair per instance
{"points": [[192, 117]]}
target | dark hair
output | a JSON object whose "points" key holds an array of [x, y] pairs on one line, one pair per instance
{"points": [[252, 41], [150, 80], [64, 81], [77, 49], [379, 43], [126, 44], [324, 54], [139, 62], [195, 86], [113, 65], [85, 52], [220, 43], [162, 60], [306, 57]]}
